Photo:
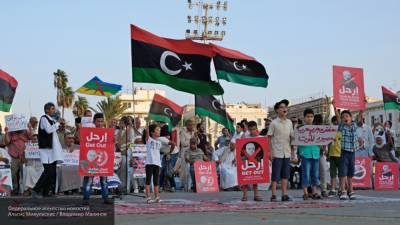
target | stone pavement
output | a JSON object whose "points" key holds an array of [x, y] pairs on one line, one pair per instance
{"points": [[226, 208]]}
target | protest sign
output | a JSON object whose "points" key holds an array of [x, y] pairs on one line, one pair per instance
{"points": [[252, 160], [96, 156], [386, 176], [314, 135], [139, 161], [112, 182], [5, 180], [71, 158], [348, 88], [206, 177], [16, 122], [87, 122], [32, 151], [362, 173]]}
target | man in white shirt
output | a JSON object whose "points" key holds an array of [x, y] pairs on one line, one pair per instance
{"points": [[226, 159], [50, 151], [364, 134]]}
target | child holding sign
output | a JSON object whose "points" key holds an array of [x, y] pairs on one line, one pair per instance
{"points": [[309, 161]]}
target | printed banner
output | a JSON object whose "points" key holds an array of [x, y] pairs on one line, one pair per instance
{"points": [[386, 176], [32, 151], [362, 173], [348, 87], [5, 180], [252, 160], [139, 161], [112, 182], [314, 135], [71, 158], [96, 156], [397, 138], [206, 177], [16, 122], [117, 160]]}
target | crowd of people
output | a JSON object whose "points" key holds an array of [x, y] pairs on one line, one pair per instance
{"points": [[172, 152]]}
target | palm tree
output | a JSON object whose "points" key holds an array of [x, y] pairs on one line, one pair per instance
{"points": [[65, 94], [80, 106], [68, 99], [60, 83], [111, 108]]}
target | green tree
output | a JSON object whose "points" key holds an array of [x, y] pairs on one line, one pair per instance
{"points": [[80, 106], [65, 94], [111, 108]]}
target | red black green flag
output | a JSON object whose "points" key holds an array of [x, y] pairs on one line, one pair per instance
{"points": [[236, 67], [390, 99], [210, 107], [8, 86], [165, 110], [181, 64]]}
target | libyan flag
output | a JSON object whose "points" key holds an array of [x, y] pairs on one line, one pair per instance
{"points": [[210, 107], [163, 109], [236, 67], [8, 86], [181, 64], [390, 99]]}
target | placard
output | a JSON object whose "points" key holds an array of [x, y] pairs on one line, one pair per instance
{"points": [[362, 173], [32, 151], [348, 88], [206, 177], [96, 156], [314, 135], [386, 176], [16, 122], [139, 161], [252, 160]]}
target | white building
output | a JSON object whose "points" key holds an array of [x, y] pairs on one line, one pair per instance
{"points": [[141, 106]]}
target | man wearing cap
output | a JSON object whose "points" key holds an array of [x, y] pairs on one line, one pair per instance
{"points": [[280, 134]]}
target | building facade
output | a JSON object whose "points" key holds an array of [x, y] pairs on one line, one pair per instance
{"points": [[142, 100]]}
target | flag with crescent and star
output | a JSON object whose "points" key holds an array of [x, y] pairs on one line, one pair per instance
{"points": [[210, 107], [180, 64], [97, 87], [391, 100], [236, 67], [8, 86], [165, 110]]}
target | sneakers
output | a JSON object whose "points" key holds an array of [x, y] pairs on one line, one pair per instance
{"points": [[343, 196], [136, 191], [352, 195], [332, 193], [324, 194]]}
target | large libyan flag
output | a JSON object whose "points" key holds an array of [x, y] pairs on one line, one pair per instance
{"points": [[163, 109], [390, 99], [8, 86], [181, 64], [236, 67], [210, 107]]}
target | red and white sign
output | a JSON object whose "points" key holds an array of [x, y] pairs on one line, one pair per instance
{"points": [[362, 173], [252, 160], [348, 87], [5, 180], [139, 161], [96, 156], [206, 177], [386, 176]]}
